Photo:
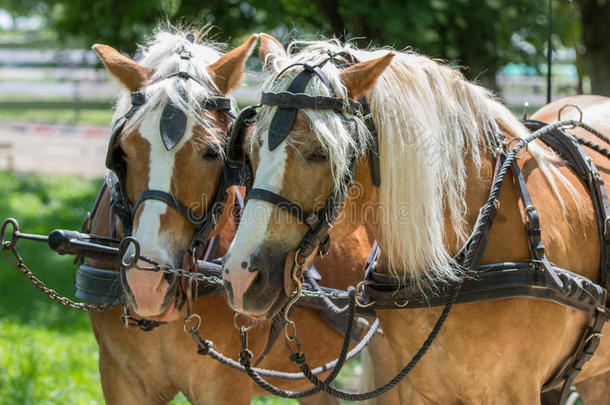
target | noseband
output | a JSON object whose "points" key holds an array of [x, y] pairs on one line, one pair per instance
{"points": [[288, 103], [172, 128]]}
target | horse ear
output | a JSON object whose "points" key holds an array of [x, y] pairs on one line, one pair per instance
{"points": [[270, 51], [361, 77], [229, 69], [129, 73]]}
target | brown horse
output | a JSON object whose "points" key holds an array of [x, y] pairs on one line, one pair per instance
{"points": [[436, 165], [152, 367]]}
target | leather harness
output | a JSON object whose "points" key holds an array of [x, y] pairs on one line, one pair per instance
{"points": [[538, 279]]}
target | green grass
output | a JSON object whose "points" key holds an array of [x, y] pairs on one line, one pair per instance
{"points": [[48, 354]]}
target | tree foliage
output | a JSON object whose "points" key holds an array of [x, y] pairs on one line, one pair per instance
{"points": [[480, 34]]}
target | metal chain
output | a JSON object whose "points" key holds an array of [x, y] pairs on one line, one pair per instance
{"points": [[18, 263], [199, 277]]}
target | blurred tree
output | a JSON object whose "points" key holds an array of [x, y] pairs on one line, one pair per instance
{"points": [[596, 38], [481, 35]]}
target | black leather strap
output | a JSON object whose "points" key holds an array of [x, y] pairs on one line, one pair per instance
{"points": [[489, 282], [294, 209], [374, 146], [532, 227], [286, 99], [583, 165], [169, 200]]}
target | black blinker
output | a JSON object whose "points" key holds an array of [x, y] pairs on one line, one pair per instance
{"points": [[173, 122], [284, 118]]}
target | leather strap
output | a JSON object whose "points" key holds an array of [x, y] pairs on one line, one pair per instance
{"points": [[169, 200], [286, 99], [294, 209], [583, 165], [374, 146], [532, 227], [489, 282]]}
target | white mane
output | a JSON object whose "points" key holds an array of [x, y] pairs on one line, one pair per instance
{"points": [[429, 120], [162, 53]]}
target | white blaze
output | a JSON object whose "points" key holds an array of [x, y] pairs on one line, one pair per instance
{"points": [[161, 168], [255, 219]]}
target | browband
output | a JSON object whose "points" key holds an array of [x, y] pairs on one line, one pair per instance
{"points": [[290, 100]]}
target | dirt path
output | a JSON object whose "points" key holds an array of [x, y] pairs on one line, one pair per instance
{"points": [[53, 149]]}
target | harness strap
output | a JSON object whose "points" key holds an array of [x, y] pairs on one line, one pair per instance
{"points": [[169, 200], [583, 165], [589, 342], [285, 99], [294, 209], [532, 227], [374, 145], [488, 282]]}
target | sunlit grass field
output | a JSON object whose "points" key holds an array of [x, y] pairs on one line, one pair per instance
{"points": [[48, 354]]}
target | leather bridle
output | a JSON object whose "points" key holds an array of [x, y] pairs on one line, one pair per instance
{"points": [[288, 103], [172, 128]]}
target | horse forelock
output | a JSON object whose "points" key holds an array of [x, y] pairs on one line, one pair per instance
{"points": [[162, 53]]}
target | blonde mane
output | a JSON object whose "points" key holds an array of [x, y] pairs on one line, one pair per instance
{"points": [[429, 120], [162, 53]]}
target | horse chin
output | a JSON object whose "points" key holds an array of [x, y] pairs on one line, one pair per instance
{"points": [[171, 313], [151, 295], [277, 306], [272, 310]]}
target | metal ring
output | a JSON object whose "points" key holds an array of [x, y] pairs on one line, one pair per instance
{"points": [[13, 222], [123, 246], [359, 288], [404, 304], [299, 348], [291, 337], [195, 327], [518, 139], [297, 254], [241, 327], [580, 113]]}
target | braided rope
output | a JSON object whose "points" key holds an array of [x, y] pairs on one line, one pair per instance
{"points": [[299, 359], [205, 347]]}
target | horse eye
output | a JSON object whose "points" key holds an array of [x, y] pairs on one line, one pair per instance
{"points": [[211, 154], [318, 155]]}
